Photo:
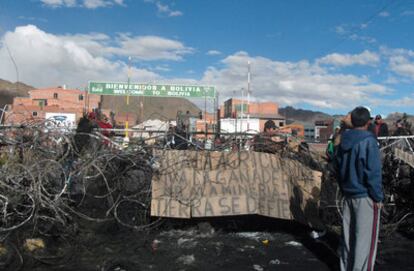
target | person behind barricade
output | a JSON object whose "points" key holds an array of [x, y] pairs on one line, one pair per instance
{"points": [[345, 124], [180, 140], [381, 128], [99, 120], [85, 127], [104, 123], [330, 148], [268, 141], [401, 130], [360, 180], [169, 138]]}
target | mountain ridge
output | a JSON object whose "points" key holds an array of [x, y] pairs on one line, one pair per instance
{"points": [[9, 90]]}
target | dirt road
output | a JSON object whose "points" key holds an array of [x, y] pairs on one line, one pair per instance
{"points": [[252, 244]]}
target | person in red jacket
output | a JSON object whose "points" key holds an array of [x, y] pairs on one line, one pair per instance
{"points": [[104, 124], [381, 128], [99, 120]]}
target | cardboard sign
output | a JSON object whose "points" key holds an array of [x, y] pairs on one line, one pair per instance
{"points": [[205, 184], [404, 156]]}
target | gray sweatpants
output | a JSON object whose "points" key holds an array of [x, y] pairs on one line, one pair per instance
{"points": [[359, 234]]}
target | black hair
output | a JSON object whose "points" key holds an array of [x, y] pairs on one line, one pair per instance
{"points": [[269, 125], [360, 116]]}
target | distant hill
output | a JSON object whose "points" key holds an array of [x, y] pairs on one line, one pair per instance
{"points": [[154, 107], [393, 117], [292, 114], [396, 116], [9, 90]]}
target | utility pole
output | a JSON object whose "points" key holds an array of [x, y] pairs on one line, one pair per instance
{"points": [[205, 115], [242, 110], [248, 94], [127, 101]]}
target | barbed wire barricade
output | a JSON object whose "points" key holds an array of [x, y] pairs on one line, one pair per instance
{"points": [[52, 179], [398, 175]]}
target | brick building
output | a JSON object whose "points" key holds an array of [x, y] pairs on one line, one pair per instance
{"points": [[234, 108], [50, 100], [264, 111], [326, 132]]}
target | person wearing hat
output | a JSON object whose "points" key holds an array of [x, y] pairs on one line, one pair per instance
{"points": [[401, 129], [360, 180], [268, 141], [381, 128], [269, 126]]}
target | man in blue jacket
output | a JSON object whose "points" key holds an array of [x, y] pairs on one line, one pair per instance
{"points": [[361, 184]]}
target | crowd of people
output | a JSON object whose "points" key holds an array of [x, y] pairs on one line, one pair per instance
{"points": [[377, 126]]}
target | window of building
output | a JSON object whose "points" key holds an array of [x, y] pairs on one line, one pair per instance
{"points": [[281, 124], [241, 107], [80, 97], [34, 113], [55, 95], [41, 102]]}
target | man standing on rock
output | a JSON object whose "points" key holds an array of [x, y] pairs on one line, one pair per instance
{"points": [[361, 184]]}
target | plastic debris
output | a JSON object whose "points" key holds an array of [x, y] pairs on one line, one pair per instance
{"points": [[265, 242], [257, 267], [186, 259], [274, 262], [293, 243], [3, 250], [34, 244], [317, 234]]}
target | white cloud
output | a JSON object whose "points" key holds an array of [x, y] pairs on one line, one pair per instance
{"points": [[162, 68], [396, 52], [391, 80], [90, 4], [401, 61], [365, 58], [31, 18], [59, 3], [365, 39], [350, 31], [384, 14], [164, 9], [291, 82], [151, 48], [402, 66], [44, 59], [213, 53], [147, 48], [407, 101], [340, 29], [119, 2], [407, 13]]}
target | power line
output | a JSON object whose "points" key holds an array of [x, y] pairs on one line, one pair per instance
{"points": [[357, 29]]}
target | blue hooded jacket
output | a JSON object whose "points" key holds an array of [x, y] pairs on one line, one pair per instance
{"points": [[359, 164]]}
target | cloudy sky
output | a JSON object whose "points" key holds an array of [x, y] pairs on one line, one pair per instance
{"points": [[323, 55]]}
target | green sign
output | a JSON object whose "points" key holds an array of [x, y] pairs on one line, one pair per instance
{"points": [[133, 89]]}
